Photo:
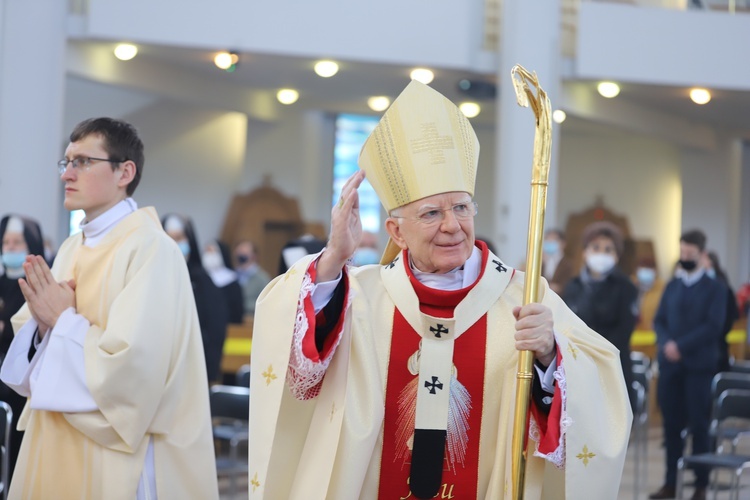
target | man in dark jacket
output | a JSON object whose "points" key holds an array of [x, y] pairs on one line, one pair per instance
{"points": [[688, 323]]}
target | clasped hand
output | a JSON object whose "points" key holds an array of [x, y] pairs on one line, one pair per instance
{"points": [[46, 298], [534, 331]]}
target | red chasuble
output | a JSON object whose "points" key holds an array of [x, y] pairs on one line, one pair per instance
{"points": [[459, 476]]}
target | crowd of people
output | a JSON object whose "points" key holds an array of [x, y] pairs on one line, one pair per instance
{"points": [[691, 315]]}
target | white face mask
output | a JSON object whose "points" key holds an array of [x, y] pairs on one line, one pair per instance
{"points": [[212, 261], [600, 263]]}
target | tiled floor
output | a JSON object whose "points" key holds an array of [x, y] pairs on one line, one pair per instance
{"points": [[653, 470]]}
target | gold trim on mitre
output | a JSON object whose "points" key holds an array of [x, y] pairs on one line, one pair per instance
{"points": [[422, 146]]}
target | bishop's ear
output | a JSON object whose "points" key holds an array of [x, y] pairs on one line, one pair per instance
{"points": [[395, 232]]}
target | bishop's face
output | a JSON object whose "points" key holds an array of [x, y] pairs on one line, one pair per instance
{"points": [[438, 230]]}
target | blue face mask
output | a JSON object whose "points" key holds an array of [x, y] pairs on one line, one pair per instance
{"points": [[365, 256], [551, 247], [184, 247], [14, 260], [646, 276]]}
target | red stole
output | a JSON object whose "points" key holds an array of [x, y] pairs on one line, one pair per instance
{"points": [[459, 481]]}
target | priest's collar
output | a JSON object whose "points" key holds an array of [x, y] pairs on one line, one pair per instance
{"points": [[690, 279], [455, 279], [95, 230]]}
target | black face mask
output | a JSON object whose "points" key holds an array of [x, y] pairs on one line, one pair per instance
{"points": [[242, 259], [688, 265]]}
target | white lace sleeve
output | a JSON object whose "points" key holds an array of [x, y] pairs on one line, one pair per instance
{"points": [[557, 456], [305, 375]]}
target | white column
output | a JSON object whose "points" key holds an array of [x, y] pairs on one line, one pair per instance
{"points": [[743, 275], [32, 80], [713, 201], [530, 36]]}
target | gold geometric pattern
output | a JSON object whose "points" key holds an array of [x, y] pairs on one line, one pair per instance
{"points": [[269, 375], [585, 455], [573, 350], [254, 482]]}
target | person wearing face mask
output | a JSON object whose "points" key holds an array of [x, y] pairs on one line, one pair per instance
{"points": [[688, 323], [216, 261], [556, 267], [650, 287], [713, 268], [20, 237], [252, 277], [367, 252], [602, 295], [213, 313]]}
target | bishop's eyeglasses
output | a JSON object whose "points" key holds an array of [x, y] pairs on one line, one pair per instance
{"points": [[81, 163], [429, 216]]}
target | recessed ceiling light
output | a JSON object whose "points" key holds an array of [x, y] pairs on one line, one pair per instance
{"points": [[223, 60], [470, 109], [559, 116], [700, 96], [423, 75], [326, 69], [125, 51], [379, 102], [287, 96], [608, 89]]}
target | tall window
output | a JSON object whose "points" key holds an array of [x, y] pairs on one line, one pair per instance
{"points": [[351, 132]]}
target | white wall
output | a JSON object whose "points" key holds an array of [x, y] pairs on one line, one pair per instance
{"points": [[297, 154], [661, 46], [86, 99], [712, 187], [31, 109], [743, 274], [636, 176], [484, 192], [194, 161]]}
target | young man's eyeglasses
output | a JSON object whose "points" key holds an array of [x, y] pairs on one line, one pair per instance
{"points": [[429, 216], [81, 163]]}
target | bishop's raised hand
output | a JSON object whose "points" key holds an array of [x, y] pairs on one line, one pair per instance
{"points": [[346, 231]]}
